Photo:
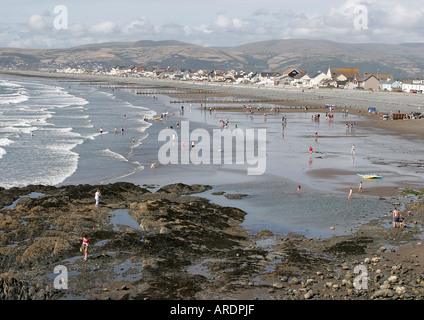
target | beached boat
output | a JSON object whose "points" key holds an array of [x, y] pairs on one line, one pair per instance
{"points": [[370, 176]]}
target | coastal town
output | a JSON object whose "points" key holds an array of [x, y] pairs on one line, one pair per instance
{"points": [[341, 78]]}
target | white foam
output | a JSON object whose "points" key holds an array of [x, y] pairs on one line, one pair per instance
{"points": [[13, 98], [115, 155], [5, 142]]}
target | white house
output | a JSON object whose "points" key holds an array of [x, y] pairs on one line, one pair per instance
{"points": [[413, 86], [390, 85], [316, 79], [343, 74], [283, 80], [301, 80]]}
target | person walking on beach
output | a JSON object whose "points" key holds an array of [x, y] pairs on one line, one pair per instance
{"points": [[350, 193], [352, 152], [97, 196], [310, 150], [84, 246], [298, 189], [360, 187]]}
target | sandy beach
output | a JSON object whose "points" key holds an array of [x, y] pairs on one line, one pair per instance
{"points": [[328, 168]]}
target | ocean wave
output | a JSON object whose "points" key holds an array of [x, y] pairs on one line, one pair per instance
{"points": [[13, 98], [144, 126], [5, 83], [2, 152], [5, 142], [136, 169], [113, 154]]}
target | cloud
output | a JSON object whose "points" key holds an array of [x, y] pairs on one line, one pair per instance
{"points": [[138, 26], [104, 28], [260, 12], [222, 22], [37, 23], [389, 21]]}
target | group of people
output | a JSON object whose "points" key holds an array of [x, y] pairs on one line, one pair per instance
{"points": [[351, 191], [85, 239], [398, 219]]}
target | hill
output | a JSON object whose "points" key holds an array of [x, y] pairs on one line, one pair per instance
{"points": [[403, 60]]}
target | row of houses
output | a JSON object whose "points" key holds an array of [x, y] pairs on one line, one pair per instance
{"points": [[342, 78]]}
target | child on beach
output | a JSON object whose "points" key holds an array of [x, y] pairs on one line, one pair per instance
{"points": [[84, 246], [401, 221], [350, 193], [97, 197]]}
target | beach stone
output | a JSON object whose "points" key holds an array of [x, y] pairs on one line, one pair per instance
{"points": [[278, 285], [385, 293], [309, 295], [392, 279], [385, 286], [400, 290]]}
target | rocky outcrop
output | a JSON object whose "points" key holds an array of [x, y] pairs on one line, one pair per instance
{"points": [[174, 244]]}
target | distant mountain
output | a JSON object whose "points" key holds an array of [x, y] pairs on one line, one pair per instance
{"points": [[403, 61]]}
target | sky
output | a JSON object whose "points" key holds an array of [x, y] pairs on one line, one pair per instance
{"points": [[50, 24]]}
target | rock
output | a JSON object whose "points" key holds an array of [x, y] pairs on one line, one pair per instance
{"points": [[277, 285], [400, 290], [184, 189], [392, 279], [235, 195], [217, 193], [309, 295], [385, 293], [385, 286]]}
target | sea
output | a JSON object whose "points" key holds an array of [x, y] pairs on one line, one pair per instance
{"points": [[49, 129], [72, 132]]}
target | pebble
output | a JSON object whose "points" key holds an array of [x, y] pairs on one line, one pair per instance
{"points": [[383, 293], [309, 295], [400, 290], [278, 285]]}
